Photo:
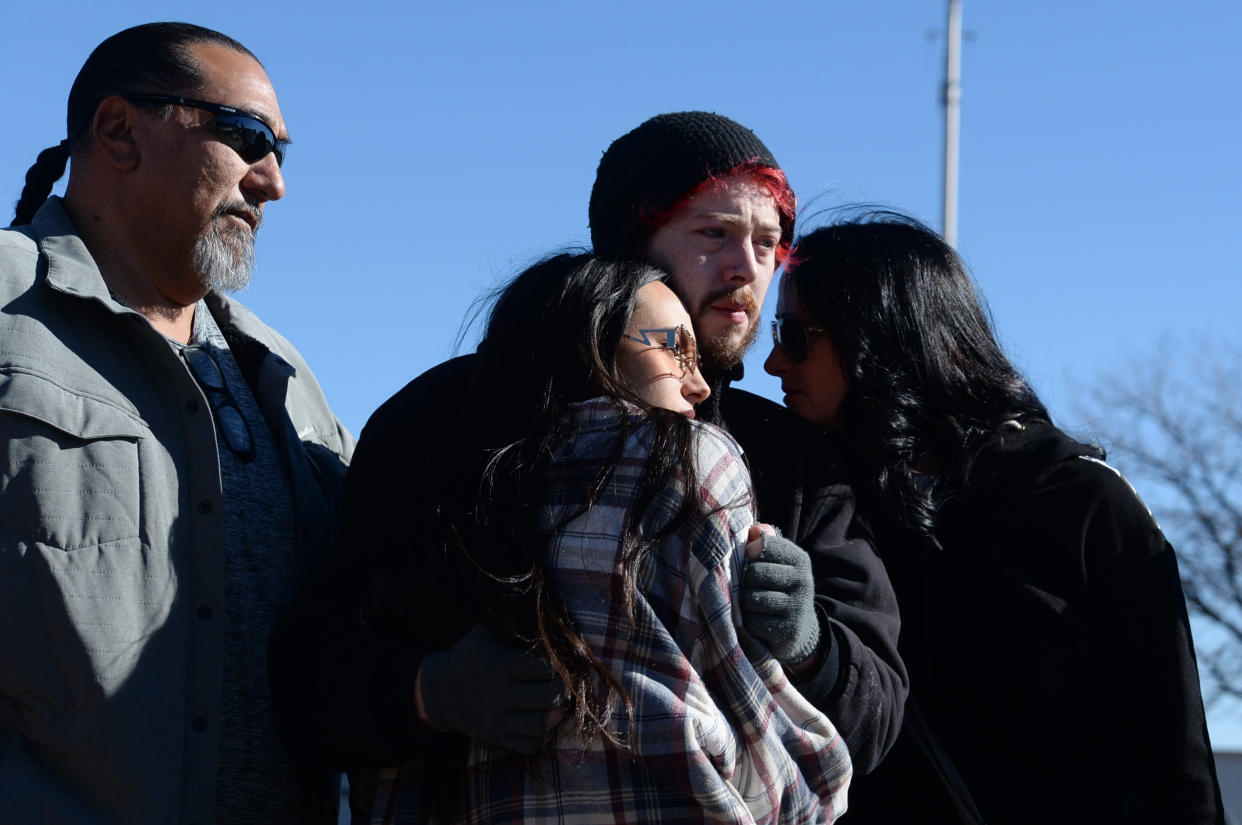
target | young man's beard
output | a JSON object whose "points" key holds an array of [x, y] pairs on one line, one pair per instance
{"points": [[224, 256], [722, 352]]}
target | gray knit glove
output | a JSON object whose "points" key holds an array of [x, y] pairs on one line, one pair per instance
{"points": [[491, 689], [778, 601]]}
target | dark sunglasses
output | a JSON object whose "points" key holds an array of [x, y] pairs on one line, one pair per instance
{"points": [[793, 336], [241, 131], [676, 339]]}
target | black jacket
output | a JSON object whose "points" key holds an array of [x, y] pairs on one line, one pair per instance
{"points": [[343, 691], [801, 488], [1049, 651]]}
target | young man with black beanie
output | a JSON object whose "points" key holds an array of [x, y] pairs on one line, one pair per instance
{"points": [[702, 196], [352, 688]]}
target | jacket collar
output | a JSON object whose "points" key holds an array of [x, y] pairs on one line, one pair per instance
{"points": [[709, 410], [72, 270], [70, 267]]}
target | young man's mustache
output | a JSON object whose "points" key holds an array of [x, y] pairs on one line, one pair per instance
{"points": [[740, 297]]}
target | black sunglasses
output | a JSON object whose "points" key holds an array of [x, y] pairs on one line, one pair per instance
{"points": [[676, 339], [243, 132], [793, 336]]}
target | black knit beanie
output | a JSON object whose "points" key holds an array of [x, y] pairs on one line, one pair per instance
{"points": [[658, 164]]}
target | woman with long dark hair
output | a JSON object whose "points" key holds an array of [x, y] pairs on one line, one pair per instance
{"points": [[601, 523], [1052, 673]]}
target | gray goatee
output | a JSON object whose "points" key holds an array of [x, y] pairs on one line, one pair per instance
{"points": [[224, 254]]}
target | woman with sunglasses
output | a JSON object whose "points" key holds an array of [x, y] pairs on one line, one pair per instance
{"points": [[1052, 674], [604, 525]]}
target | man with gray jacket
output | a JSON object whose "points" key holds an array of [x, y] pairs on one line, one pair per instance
{"points": [[170, 465]]}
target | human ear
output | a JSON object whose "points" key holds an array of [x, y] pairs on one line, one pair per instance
{"points": [[112, 132]]}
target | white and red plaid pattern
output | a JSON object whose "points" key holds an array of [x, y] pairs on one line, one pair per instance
{"points": [[719, 734]]}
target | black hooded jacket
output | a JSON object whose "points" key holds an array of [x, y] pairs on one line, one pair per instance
{"points": [[1048, 649]]}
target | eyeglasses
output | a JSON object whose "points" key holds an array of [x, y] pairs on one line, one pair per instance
{"points": [[232, 423], [243, 132], [792, 335], [677, 339]]}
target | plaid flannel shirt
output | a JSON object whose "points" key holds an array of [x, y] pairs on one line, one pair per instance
{"points": [[718, 734]]}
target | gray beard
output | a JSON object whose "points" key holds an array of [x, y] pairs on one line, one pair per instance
{"points": [[224, 258]]}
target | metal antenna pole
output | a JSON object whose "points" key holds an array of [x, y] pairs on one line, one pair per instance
{"points": [[952, 118]]}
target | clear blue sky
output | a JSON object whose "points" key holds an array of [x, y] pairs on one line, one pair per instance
{"points": [[441, 147]]}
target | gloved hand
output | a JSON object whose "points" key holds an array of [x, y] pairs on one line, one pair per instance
{"points": [[491, 689], [778, 599]]}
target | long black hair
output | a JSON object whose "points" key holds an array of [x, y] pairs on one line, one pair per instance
{"points": [[149, 59], [552, 340], [928, 382]]}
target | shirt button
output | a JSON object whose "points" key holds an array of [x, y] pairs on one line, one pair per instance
{"points": [[204, 506], [204, 612], [191, 405], [200, 723]]}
